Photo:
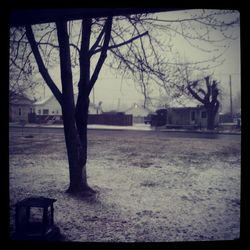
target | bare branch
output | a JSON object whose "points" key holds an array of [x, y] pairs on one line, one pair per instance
{"points": [[41, 66], [103, 54], [65, 64], [95, 45], [84, 57], [57, 46], [123, 43], [18, 45], [194, 94], [22, 69]]}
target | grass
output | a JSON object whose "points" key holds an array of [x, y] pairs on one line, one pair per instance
{"points": [[149, 188]]}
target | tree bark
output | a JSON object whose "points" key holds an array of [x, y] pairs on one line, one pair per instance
{"points": [[210, 119], [211, 114], [77, 174]]}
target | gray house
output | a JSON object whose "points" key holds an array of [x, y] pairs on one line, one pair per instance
{"points": [[20, 107], [188, 116]]}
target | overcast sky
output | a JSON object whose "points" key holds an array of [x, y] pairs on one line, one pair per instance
{"points": [[115, 92]]}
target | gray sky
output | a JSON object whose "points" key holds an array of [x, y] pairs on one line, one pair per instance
{"points": [[116, 92]]}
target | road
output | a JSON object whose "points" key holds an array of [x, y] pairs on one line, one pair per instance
{"points": [[123, 133]]}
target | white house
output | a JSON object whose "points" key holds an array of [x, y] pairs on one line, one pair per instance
{"points": [[51, 107], [138, 112]]}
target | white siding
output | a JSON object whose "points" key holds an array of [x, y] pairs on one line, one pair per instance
{"points": [[54, 108], [51, 105]]}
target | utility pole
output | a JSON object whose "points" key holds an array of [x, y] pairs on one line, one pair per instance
{"points": [[231, 100]]}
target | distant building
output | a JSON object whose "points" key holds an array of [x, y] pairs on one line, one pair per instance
{"points": [[182, 117], [139, 113], [20, 107], [51, 107], [193, 116]]}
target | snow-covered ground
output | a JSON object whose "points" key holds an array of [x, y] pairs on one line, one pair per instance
{"points": [[149, 188], [139, 126], [135, 127]]}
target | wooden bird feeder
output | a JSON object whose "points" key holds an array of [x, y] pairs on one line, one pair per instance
{"points": [[34, 219]]}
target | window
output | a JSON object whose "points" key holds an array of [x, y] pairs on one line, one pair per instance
{"points": [[39, 111], [192, 115], [20, 111], [45, 111], [31, 110], [203, 114]]}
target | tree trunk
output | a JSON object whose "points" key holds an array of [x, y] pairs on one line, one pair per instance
{"points": [[81, 119], [210, 118], [76, 151], [76, 147]]}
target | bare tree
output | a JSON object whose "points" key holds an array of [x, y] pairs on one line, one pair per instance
{"points": [[21, 69], [158, 59], [136, 52], [208, 97], [75, 115]]}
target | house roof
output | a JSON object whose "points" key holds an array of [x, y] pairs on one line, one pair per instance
{"points": [[137, 110], [184, 102], [185, 108], [42, 102], [20, 99]]}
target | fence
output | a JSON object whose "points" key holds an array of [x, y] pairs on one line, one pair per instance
{"points": [[118, 119], [111, 119]]}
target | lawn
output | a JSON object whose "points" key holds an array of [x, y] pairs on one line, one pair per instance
{"points": [[149, 188]]}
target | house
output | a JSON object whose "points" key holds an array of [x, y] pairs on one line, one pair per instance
{"points": [[48, 106], [20, 106], [138, 112], [182, 117], [50, 110], [188, 116]]}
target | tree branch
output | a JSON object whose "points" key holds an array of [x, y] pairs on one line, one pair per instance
{"points": [[94, 46], [84, 57], [103, 54], [123, 43], [65, 66], [202, 91], [41, 66], [195, 95], [18, 45], [57, 46], [215, 92], [208, 89]]}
